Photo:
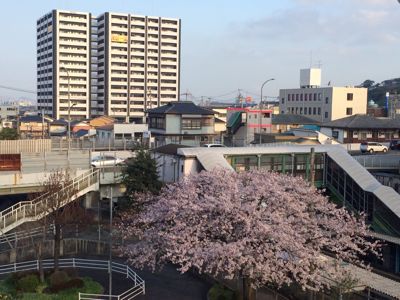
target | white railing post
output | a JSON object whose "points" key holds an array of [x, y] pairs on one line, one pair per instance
{"points": [[37, 264], [15, 267], [127, 271], [144, 287], [73, 262]]}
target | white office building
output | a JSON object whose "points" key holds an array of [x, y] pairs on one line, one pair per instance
{"points": [[322, 104], [119, 65]]}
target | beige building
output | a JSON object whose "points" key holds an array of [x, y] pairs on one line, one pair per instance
{"points": [[323, 104], [118, 65]]}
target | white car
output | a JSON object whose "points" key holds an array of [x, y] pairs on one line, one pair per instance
{"points": [[106, 161], [213, 145], [372, 147]]}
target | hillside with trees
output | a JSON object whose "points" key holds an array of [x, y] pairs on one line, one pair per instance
{"points": [[377, 91]]}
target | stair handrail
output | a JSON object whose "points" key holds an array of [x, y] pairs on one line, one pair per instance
{"points": [[20, 205]]}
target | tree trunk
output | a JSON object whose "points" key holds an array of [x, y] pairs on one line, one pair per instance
{"points": [[57, 243], [248, 292]]}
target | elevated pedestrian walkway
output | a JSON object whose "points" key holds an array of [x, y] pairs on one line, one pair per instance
{"points": [[28, 211]]}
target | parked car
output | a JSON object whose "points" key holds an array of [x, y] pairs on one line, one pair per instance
{"points": [[394, 145], [213, 145], [372, 147], [106, 161]]}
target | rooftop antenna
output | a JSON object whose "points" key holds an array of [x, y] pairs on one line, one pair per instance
{"points": [[311, 60]]}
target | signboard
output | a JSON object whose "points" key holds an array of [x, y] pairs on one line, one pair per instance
{"points": [[146, 134], [118, 38]]}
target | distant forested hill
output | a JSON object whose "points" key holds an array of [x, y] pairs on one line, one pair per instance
{"points": [[377, 91]]}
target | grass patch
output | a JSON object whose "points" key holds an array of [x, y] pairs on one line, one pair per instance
{"points": [[219, 292], [90, 287]]}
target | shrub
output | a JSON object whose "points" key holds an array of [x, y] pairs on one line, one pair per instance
{"points": [[28, 283], [70, 284], [58, 278], [219, 292], [71, 272]]}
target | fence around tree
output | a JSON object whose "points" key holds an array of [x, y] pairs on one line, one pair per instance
{"points": [[137, 288]]}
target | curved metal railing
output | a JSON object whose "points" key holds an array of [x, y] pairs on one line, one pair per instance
{"points": [[138, 287]]}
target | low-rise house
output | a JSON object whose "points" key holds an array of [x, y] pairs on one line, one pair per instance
{"points": [[34, 126], [286, 122], [121, 131], [182, 123], [101, 121], [362, 128]]}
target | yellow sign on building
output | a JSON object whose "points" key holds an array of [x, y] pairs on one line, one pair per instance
{"points": [[118, 38]]}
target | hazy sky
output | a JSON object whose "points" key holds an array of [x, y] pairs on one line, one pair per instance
{"points": [[230, 44]]}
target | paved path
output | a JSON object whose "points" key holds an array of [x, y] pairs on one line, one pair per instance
{"points": [[167, 284]]}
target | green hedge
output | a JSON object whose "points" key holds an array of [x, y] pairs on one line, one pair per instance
{"points": [[219, 292]]}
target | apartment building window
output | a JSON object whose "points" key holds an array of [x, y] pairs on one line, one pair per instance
{"points": [[301, 97], [297, 110], [314, 110], [305, 97], [319, 111], [349, 96], [326, 100], [309, 110], [301, 110], [319, 96], [315, 96], [349, 111], [283, 100], [297, 97], [191, 123], [288, 97], [326, 115], [305, 110]]}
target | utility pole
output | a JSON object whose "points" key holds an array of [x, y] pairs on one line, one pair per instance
{"points": [[110, 245], [261, 105], [42, 123]]}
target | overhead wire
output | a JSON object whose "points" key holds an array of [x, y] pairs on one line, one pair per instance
{"points": [[17, 89]]}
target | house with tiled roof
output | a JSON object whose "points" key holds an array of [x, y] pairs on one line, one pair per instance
{"points": [[362, 128], [183, 123]]}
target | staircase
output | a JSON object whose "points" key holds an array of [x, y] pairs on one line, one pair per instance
{"points": [[28, 211]]}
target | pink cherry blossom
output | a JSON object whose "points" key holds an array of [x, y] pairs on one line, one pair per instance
{"points": [[268, 227]]}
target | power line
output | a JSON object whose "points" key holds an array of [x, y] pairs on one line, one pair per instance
{"points": [[17, 89]]}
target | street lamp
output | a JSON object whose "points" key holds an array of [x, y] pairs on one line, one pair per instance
{"points": [[69, 105], [261, 99]]}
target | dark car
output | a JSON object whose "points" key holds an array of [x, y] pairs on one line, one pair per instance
{"points": [[394, 145]]}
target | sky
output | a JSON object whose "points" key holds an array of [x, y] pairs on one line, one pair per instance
{"points": [[229, 45]]}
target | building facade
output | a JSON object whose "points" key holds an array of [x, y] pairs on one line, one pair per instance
{"points": [[322, 104], [362, 128], [118, 65], [182, 123], [63, 64], [8, 112], [244, 123]]}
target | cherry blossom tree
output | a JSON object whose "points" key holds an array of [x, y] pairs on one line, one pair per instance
{"points": [[268, 228]]}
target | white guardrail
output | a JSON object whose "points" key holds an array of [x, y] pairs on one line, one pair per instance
{"points": [[137, 289], [37, 208]]}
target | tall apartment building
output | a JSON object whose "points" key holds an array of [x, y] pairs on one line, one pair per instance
{"points": [[63, 64], [322, 104], [132, 64]]}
